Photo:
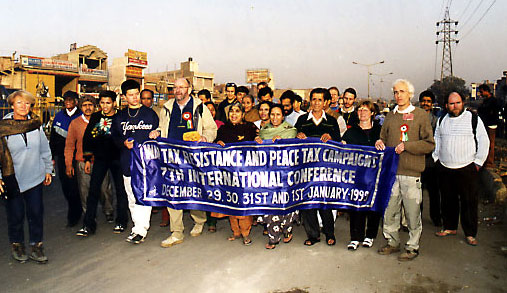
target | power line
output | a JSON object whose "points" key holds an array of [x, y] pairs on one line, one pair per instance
{"points": [[471, 15], [486, 12], [465, 10]]}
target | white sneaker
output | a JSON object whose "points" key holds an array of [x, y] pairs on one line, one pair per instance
{"points": [[367, 242], [197, 230], [353, 245], [170, 241]]}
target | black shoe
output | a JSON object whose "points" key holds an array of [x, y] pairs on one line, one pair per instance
{"points": [[119, 228], [135, 238], [110, 218], [84, 232]]}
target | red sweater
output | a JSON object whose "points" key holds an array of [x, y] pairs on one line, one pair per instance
{"points": [[74, 141]]}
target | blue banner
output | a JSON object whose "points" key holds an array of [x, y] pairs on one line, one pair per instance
{"points": [[255, 179]]}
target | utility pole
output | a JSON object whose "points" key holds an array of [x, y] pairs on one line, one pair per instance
{"points": [[448, 27], [368, 66], [381, 80]]}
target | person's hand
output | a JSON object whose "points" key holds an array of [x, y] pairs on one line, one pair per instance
{"points": [[477, 167], [202, 139], [343, 142], [154, 134], [88, 167], [129, 143], [301, 135], [325, 137], [258, 140], [400, 148], [48, 179], [54, 163], [2, 186], [379, 145], [69, 172], [275, 138], [221, 143]]}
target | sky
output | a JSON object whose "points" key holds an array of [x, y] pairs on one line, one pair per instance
{"points": [[304, 43]]}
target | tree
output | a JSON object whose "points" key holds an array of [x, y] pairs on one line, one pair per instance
{"points": [[442, 88]]}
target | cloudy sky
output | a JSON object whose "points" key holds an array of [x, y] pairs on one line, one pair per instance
{"points": [[304, 43]]}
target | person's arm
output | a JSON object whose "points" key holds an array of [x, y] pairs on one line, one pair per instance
{"points": [[425, 144], [88, 141], [438, 141], [209, 127], [70, 147], [482, 143], [45, 154]]}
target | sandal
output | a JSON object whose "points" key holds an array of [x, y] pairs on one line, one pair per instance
{"points": [[233, 237], [368, 242], [311, 241], [270, 246], [353, 245], [330, 240], [444, 233], [164, 224], [247, 241], [471, 241], [287, 237]]}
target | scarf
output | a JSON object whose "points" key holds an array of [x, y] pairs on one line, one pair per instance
{"points": [[284, 130]]}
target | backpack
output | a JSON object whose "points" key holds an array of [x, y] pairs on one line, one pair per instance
{"points": [[474, 125]]}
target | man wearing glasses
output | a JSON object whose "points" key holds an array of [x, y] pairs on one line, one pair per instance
{"points": [[179, 116], [230, 92]]}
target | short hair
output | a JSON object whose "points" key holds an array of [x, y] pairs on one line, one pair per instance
{"points": [[70, 95], [87, 98], [149, 91], [264, 91], [351, 91], [298, 98], [279, 106], [237, 104], [319, 90], [446, 98], [249, 97], [107, 94], [204, 92], [288, 94], [427, 93], [263, 83], [23, 94], [129, 84], [212, 104], [334, 88], [484, 87], [369, 105], [409, 85], [270, 104], [242, 89], [232, 84]]}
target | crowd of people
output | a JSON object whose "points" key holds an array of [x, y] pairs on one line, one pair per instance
{"points": [[91, 152]]}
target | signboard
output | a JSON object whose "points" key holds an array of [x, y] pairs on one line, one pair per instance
{"points": [[137, 58], [257, 75], [134, 71], [88, 71], [48, 63]]}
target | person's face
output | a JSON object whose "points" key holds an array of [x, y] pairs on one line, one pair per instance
{"points": [[203, 98], [147, 99], [247, 104], [426, 104], [107, 105], [21, 107], [212, 110], [455, 105], [69, 104], [181, 90], [240, 96], [87, 108], [484, 93], [230, 92], [264, 112], [287, 106], [348, 100], [133, 98], [296, 106], [276, 117], [364, 113], [267, 97], [235, 115], [340, 103], [401, 95], [317, 102], [334, 97]]}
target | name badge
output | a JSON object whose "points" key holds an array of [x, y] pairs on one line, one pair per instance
{"points": [[408, 116]]}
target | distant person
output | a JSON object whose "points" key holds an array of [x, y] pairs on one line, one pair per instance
{"points": [[488, 111], [251, 113], [230, 98], [297, 104], [265, 94], [261, 85], [147, 97], [460, 152], [349, 111], [204, 95], [25, 167], [335, 95], [241, 92], [287, 100], [409, 131], [57, 138], [429, 176], [213, 110], [317, 124], [141, 120]]}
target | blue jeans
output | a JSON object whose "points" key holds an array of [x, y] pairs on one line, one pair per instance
{"points": [[31, 201]]}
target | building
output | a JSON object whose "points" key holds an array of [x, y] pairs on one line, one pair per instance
{"points": [[130, 66]]}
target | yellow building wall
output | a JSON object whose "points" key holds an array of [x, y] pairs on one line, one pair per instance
{"points": [[33, 79]]}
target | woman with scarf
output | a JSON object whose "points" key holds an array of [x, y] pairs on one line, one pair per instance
{"points": [[277, 225], [237, 130], [26, 165], [366, 132]]}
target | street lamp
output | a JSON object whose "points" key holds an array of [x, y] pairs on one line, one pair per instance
{"points": [[368, 66], [381, 80]]}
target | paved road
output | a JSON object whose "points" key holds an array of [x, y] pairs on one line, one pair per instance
{"points": [[104, 262]]}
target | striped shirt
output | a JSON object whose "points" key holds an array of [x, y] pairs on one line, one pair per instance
{"points": [[454, 142]]}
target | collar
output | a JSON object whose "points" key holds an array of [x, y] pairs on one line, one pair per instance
{"points": [[84, 119], [315, 120], [71, 112], [409, 109], [350, 111]]}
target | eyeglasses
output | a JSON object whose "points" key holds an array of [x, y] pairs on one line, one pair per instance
{"points": [[230, 84], [181, 88]]}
